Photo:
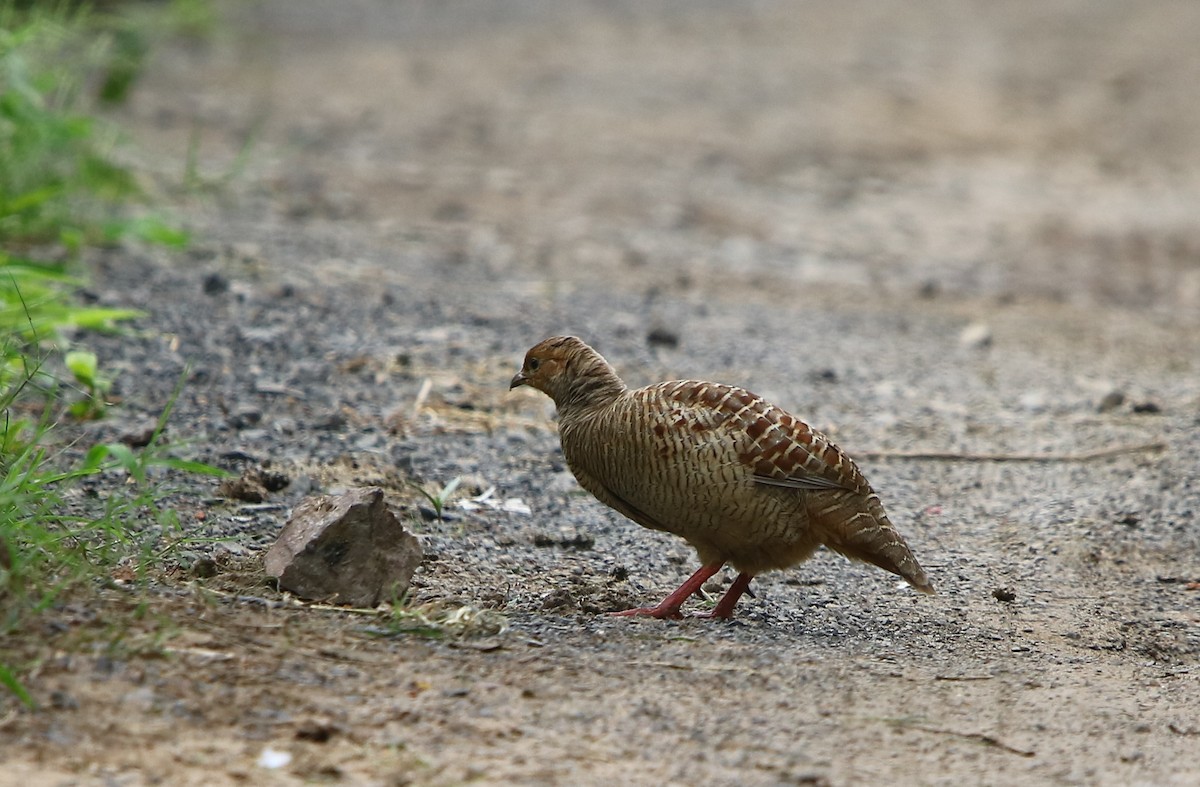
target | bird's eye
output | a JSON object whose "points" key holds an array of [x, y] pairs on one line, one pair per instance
{"points": [[533, 364]]}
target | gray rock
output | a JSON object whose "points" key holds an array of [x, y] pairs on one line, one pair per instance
{"points": [[348, 549]]}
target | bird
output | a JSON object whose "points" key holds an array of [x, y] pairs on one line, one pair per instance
{"points": [[744, 482]]}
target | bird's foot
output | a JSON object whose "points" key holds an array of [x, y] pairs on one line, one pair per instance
{"points": [[669, 606], [717, 614], [661, 612]]}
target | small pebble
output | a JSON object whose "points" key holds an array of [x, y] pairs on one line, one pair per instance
{"points": [[215, 284], [662, 337], [273, 759], [204, 568], [1111, 401], [976, 336]]}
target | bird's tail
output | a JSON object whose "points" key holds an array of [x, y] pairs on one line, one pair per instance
{"points": [[860, 529]]}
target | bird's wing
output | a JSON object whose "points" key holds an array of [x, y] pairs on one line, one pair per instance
{"points": [[806, 482], [779, 449]]}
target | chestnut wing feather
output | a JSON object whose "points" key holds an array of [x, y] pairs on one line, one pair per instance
{"points": [[780, 449]]}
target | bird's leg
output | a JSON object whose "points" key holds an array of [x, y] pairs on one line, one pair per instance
{"points": [[724, 607], [669, 608]]}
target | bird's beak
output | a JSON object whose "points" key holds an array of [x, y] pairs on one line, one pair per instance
{"points": [[518, 380]]}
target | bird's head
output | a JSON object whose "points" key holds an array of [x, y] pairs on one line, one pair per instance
{"points": [[568, 371]]}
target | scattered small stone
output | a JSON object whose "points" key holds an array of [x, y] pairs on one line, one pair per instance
{"points": [[480, 645], [809, 780], [1147, 407], [929, 289], [237, 455], [316, 732], [1111, 401], [1005, 594], [559, 599], [662, 337], [273, 480], [1033, 401], [331, 422], [568, 538], [285, 425], [430, 514], [976, 336], [349, 549], [244, 488], [245, 417], [61, 700], [824, 376], [1130, 520], [253, 485], [204, 568], [273, 759], [139, 437], [215, 284]]}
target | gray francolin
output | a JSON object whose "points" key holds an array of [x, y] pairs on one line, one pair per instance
{"points": [[741, 480]]}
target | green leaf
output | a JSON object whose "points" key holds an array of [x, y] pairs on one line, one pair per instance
{"points": [[155, 230], [83, 365], [193, 467], [31, 199], [94, 458], [127, 460], [10, 682], [99, 318]]}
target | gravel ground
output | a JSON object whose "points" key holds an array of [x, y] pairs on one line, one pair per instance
{"points": [[963, 228]]}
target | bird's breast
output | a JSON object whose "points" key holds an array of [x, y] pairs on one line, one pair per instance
{"points": [[675, 463]]}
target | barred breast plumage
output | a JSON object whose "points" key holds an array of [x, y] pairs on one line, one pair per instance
{"points": [[743, 481]]}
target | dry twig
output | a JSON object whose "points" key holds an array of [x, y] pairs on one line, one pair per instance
{"points": [[966, 456], [978, 737]]}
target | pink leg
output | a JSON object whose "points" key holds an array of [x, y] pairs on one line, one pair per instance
{"points": [[669, 608], [724, 607]]}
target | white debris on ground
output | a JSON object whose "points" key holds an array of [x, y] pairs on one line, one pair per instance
{"points": [[512, 505]]}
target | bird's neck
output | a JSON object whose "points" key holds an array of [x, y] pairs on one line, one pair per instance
{"points": [[593, 388]]}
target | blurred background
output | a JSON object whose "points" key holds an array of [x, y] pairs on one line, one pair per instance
{"points": [[989, 149]]}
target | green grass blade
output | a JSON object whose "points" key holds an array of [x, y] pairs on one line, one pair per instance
{"points": [[9, 681]]}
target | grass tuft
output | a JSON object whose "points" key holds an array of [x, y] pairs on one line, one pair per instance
{"points": [[67, 519]]}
